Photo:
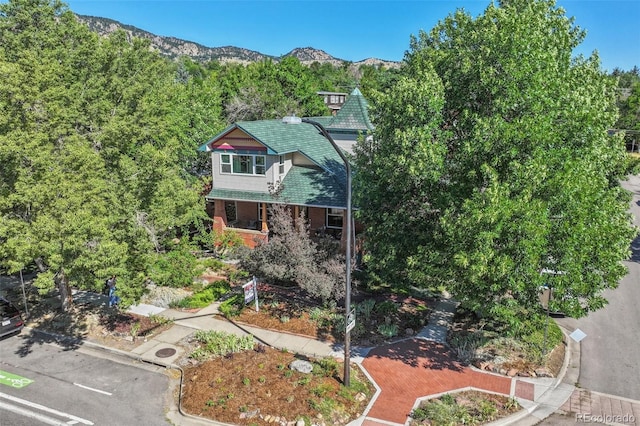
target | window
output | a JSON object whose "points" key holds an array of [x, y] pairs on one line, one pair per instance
{"points": [[260, 165], [281, 165], [243, 164], [334, 218], [225, 163]]}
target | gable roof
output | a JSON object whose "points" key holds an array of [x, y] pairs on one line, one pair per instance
{"points": [[353, 115], [281, 138]]}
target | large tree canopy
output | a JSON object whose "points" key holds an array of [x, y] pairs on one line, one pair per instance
{"points": [[97, 139], [491, 164]]}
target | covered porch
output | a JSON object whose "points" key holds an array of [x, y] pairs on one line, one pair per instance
{"points": [[250, 219]]}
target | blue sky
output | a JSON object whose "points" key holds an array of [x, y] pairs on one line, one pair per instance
{"points": [[351, 29]]}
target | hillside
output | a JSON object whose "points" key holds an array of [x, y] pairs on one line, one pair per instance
{"points": [[173, 47]]}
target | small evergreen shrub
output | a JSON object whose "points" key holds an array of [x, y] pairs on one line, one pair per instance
{"points": [[205, 297], [232, 306]]}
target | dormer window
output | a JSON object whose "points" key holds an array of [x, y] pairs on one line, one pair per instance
{"points": [[243, 164]]}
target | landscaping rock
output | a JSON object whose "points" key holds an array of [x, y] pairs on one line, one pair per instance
{"points": [[512, 372], [302, 366], [300, 422], [409, 332], [543, 372], [250, 414]]}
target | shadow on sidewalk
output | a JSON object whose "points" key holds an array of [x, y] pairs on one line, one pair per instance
{"points": [[419, 353]]}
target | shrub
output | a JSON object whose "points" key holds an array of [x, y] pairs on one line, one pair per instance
{"points": [[224, 243], [164, 297], [467, 344], [366, 309], [205, 297], [159, 319], [292, 258], [217, 343], [232, 306], [388, 330], [327, 367], [176, 268], [386, 308]]}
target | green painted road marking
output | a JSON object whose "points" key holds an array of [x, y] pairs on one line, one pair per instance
{"points": [[14, 381]]}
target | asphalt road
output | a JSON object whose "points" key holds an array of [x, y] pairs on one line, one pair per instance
{"points": [[75, 385], [610, 354]]}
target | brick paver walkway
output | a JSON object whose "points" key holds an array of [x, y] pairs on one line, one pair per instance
{"points": [[586, 406], [414, 368]]}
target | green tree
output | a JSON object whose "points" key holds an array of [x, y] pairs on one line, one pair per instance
{"points": [[54, 200], [520, 175], [629, 105], [97, 142]]}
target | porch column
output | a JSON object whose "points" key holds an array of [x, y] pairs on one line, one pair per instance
{"points": [[264, 227], [296, 215], [219, 216]]}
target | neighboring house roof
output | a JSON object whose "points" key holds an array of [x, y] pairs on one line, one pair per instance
{"points": [[353, 115], [303, 185]]}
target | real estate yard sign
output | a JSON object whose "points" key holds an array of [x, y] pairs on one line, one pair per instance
{"points": [[251, 292]]}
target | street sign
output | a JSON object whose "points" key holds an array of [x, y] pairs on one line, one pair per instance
{"points": [[351, 320]]}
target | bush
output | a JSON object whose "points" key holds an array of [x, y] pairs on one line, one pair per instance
{"points": [[232, 306], [292, 258], [217, 343], [327, 367], [205, 297], [388, 330], [386, 308], [176, 268]]}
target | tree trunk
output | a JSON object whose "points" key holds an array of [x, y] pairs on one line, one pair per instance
{"points": [[40, 264], [65, 291]]}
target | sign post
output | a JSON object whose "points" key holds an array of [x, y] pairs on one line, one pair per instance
{"points": [[251, 292], [351, 320]]}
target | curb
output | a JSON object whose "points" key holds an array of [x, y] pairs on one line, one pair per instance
{"points": [[526, 417], [58, 338]]}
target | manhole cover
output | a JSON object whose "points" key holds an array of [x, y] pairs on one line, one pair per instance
{"points": [[165, 353]]}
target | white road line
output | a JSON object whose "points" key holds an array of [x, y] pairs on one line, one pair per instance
{"points": [[46, 409], [32, 415], [92, 389]]}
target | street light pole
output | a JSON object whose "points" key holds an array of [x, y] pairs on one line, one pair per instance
{"points": [[347, 297]]}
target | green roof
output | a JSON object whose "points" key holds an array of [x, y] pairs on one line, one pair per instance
{"points": [[282, 138], [323, 185], [303, 185], [353, 115]]}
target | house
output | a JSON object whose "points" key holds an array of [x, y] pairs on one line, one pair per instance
{"points": [[257, 163], [333, 100]]}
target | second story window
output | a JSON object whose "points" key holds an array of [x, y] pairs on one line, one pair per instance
{"points": [[243, 164]]}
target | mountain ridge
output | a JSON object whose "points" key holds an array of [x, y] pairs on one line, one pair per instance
{"points": [[173, 47]]}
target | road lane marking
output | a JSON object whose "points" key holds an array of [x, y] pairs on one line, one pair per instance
{"points": [[92, 389], [31, 414], [46, 409], [14, 380]]}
